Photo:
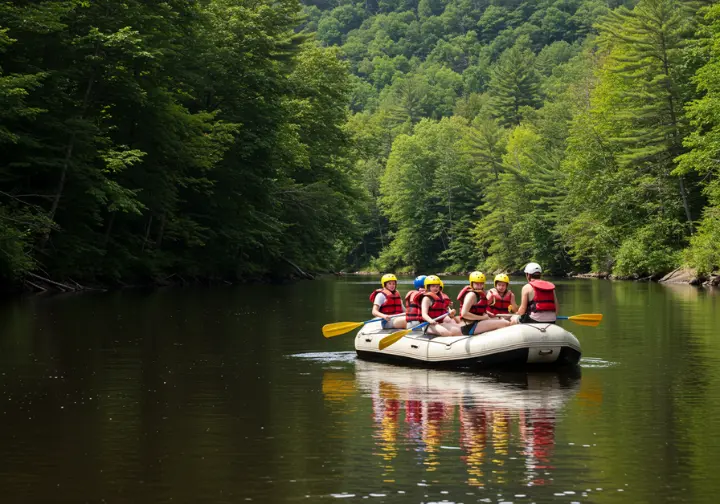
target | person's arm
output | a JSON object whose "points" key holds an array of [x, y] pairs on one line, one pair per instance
{"points": [[523, 301], [425, 309], [468, 302], [513, 303], [379, 301], [557, 305]]}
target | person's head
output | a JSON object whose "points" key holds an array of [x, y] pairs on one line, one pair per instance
{"points": [[433, 284], [502, 281], [389, 282], [533, 271], [419, 282], [477, 280]]}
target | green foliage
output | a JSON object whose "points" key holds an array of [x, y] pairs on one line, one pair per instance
{"points": [[703, 144], [643, 253], [142, 139], [514, 84]]}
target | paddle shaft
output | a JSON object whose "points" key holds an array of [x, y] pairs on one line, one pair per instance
{"points": [[379, 318], [338, 328], [397, 336], [427, 323]]}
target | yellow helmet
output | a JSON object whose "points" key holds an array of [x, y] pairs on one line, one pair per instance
{"points": [[433, 280], [477, 276], [502, 277], [388, 277]]}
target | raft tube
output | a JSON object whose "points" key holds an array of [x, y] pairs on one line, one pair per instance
{"points": [[520, 345]]}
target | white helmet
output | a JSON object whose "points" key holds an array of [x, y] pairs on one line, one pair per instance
{"points": [[532, 268]]}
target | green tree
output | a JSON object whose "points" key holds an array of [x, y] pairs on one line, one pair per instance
{"points": [[703, 146], [514, 84]]}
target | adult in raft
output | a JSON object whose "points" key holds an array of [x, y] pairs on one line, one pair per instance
{"points": [[413, 313], [387, 303], [538, 301], [433, 304], [501, 300], [473, 307]]}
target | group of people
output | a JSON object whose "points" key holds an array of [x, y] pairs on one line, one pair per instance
{"points": [[480, 311]]}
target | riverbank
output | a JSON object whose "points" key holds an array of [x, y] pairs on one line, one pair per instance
{"points": [[34, 283], [678, 276]]}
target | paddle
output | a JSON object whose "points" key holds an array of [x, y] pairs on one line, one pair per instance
{"points": [[586, 319], [338, 328], [397, 336]]}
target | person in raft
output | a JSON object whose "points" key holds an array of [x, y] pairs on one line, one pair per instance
{"points": [[388, 302], [473, 307], [413, 314], [501, 300], [433, 304], [538, 302]]}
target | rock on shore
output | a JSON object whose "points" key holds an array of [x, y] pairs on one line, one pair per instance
{"points": [[690, 276]]}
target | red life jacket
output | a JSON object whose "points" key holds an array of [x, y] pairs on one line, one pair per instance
{"points": [[393, 303], [413, 311], [543, 297], [438, 306], [446, 299], [499, 304], [479, 307]]}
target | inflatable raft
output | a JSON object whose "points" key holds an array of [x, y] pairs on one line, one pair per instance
{"points": [[521, 345]]}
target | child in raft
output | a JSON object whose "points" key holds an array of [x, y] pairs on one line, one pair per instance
{"points": [[387, 303], [501, 300], [473, 308], [433, 304]]}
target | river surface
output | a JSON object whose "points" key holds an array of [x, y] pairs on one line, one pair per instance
{"points": [[230, 395]]}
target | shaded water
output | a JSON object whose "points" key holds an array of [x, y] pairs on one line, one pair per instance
{"points": [[233, 395]]}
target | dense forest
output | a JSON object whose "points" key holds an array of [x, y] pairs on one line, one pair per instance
{"points": [[236, 139]]}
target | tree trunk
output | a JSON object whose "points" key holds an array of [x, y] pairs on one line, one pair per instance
{"points": [[161, 232], [147, 233], [71, 142]]}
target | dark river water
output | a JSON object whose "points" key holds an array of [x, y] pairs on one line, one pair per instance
{"points": [[229, 395]]}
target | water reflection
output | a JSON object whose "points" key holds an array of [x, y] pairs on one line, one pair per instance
{"points": [[496, 424]]}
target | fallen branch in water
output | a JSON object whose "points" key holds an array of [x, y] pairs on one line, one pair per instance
{"points": [[61, 286], [302, 273], [38, 287]]}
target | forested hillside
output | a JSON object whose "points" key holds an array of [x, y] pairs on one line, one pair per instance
{"points": [[143, 139], [577, 133], [234, 139]]}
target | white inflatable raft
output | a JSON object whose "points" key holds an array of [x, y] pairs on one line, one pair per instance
{"points": [[521, 345]]}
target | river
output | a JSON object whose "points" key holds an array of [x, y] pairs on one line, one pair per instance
{"points": [[232, 395]]}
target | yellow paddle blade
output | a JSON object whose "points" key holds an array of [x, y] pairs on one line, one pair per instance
{"points": [[587, 319], [392, 338], [338, 328]]}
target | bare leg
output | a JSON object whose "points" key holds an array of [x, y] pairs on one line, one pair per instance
{"points": [[444, 330], [451, 321], [399, 322], [490, 325]]}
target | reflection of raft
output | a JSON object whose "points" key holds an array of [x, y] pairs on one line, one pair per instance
{"points": [[509, 391], [532, 345]]}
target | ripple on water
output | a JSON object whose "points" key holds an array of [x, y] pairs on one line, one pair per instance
{"points": [[594, 362], [326, 357]]}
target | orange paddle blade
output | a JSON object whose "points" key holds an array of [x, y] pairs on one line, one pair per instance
{"points": [[587, 319], [338, 328], [392, 338]]}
